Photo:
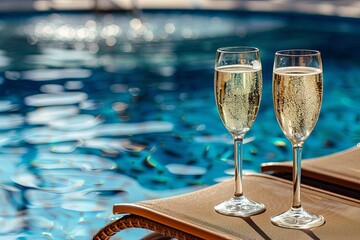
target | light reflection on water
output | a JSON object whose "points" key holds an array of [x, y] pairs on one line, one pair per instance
{"points": [[97, 109]]}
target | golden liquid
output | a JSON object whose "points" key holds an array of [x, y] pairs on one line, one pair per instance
{"points": [[297, 95], [238, 95]]}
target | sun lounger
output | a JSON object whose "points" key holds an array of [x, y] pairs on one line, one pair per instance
{"points": [[339, 172], [191, 216]]}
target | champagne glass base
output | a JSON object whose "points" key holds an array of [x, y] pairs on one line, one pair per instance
{"points": [[298, 219], [239, 207]]}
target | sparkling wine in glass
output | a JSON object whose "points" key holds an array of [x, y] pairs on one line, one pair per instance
{"points": [[238, 88], [297, 95]]}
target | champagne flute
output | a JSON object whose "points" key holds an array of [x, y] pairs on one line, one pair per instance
{"points": [[297, 95], [238, 87]]}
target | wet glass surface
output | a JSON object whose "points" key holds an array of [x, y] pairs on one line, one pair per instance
{"points": [[97, 109]]}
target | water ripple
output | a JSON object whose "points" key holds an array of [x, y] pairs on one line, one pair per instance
{"points": [[8, 167], [84, 206], [48, 135], [75, 122], [67, 161], [9, 201], [63, 148], [53, 74], [181, 169], [45, 115], [11, 121], [4, 61], [113, 144], [6, 105], [62, 57], [52, 181], [55, 99], [11, 225], [43, 135], [52, 88], [134, 128]]}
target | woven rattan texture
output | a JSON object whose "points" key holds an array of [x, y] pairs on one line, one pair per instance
{"points": [[133, 221]]}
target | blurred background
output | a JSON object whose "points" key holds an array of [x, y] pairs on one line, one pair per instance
{"points": [[110, 101], [346, 8]]}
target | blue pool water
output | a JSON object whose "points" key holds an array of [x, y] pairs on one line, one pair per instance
{"points": [[103, 108]]}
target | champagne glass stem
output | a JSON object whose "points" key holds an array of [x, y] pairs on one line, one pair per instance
{"points": [[238, 150], [297, 151], [297, 217], [239, 205]]}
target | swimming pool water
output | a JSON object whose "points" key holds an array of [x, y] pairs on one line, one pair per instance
{"points": [[103, 108]]}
